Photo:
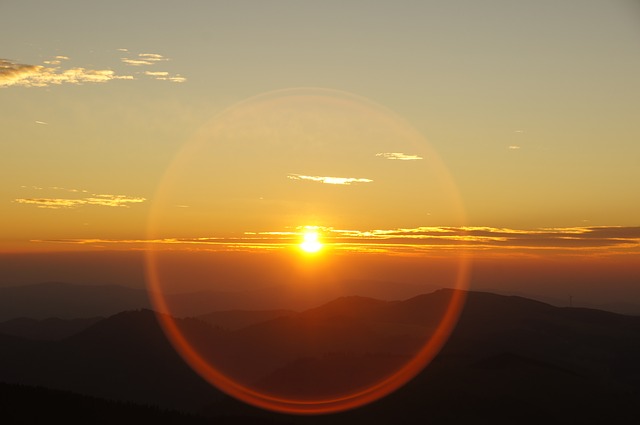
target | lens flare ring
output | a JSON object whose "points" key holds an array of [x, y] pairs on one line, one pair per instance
{"points": [[316, 133]]}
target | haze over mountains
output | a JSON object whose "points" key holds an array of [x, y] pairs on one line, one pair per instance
{"points": [[73, 301], [70, 301], [509, 359]]}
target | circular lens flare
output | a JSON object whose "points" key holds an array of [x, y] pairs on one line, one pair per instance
{"points": [[345, 337]]}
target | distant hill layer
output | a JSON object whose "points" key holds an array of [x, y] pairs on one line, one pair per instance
{"points": [[73, 301], [68, 301]]}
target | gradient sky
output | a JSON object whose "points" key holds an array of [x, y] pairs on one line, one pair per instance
{"points": [[531, 106]]}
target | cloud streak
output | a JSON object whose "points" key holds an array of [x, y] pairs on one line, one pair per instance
{"points": [[609, 240], [329, 180], [23, 75], [165, 76], [398, 156], [143, 59], [150, 59], [104, 200], [483, 238]]}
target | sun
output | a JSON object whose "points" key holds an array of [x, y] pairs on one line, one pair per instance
{"points": [[310, 242]]}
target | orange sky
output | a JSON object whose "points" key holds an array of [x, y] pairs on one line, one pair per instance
{"points": [[408, 137]]}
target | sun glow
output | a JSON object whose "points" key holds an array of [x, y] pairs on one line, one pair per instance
{"points": [[310, 242]]}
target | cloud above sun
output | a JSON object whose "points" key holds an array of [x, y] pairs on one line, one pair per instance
{"points": [[104, 200], [399, 156], [329, 180], [23, 75], [54, 72]]}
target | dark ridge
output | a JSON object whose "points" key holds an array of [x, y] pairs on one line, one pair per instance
{"points": [[124, 357]]}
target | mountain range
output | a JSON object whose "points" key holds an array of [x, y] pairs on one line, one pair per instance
{"points": [[509, 359]]}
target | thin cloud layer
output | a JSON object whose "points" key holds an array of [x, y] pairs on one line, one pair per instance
{"points": [[477, 238], [104, 200], [329, 180], [490, 237], [22, 75], [601, 240], [398, 156]]}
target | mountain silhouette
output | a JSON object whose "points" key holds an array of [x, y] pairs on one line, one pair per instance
{"points": [[124, 357], [509, 359], [237, 319], [382, 334]]}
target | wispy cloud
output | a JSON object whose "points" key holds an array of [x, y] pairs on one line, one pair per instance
{"points": [[157, 74], [165, 76], [398, 156], [513, 147], [57, 60], [143, 59], [23, 75], [105, 200], [149, 59], [329, 180], [136, 62], [57, 188], [153, 56]]}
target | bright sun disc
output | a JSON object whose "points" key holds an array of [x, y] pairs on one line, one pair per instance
{"points": [[310, 242]]}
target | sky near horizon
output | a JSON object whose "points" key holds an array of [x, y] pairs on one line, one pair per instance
{"points": [[510, 127], [288, 153]]}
